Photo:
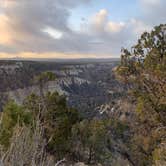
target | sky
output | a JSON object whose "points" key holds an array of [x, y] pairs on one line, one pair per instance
{"points": [[75, 28]]}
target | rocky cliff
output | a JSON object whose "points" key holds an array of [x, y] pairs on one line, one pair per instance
{"points": [[87, 86]]}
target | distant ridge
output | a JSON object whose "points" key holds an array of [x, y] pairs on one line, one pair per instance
{"points": [[85, 60]]}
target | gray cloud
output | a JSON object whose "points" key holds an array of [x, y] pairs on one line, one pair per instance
{"points": [[26, 19], [153, 11]]}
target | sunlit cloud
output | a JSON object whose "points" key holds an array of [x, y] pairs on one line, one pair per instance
{"points": [[53, 32], [5, 36], [51, 55]]}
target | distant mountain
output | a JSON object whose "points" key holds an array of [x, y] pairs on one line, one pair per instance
{"points": [[77, 60]]}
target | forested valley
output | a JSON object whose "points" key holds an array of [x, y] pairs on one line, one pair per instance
{"points": [[99, 113]]}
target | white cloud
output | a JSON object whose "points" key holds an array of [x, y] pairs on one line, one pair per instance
{"points": [[114, 27], [100, 23], [99, 20], [53, 32], [109, 36]]}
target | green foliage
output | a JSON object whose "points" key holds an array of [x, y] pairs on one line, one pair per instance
{"points": [[89, 138], [159, 155], [144, 68], [43, 79], [46, 76], [56, 118], [33, 103], [50, 112], [64, 132], [12, 115], [118, 128]]}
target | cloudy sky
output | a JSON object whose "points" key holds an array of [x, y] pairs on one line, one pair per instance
{"points": [[74, 28]]}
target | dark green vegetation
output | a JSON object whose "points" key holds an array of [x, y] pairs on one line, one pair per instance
{"points": [[64, 132], [13, 115], [144, 71], [44, 129]]}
